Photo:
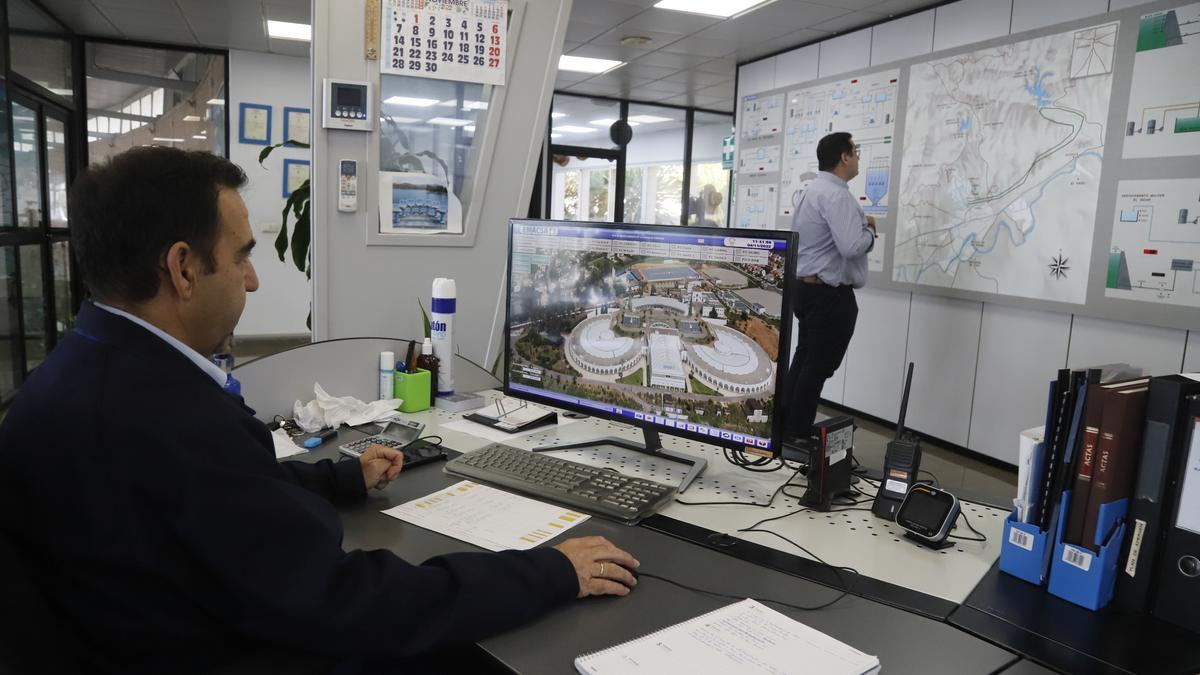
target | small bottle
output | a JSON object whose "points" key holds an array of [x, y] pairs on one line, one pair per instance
{"points": [[386, 381], [429, 362]]}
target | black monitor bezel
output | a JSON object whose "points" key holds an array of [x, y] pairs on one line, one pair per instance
{"points": [[779, 414]]}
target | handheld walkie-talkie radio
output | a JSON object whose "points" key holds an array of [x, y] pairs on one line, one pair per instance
{"points": [[900, 463]]}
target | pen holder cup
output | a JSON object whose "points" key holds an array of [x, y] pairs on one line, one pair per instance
{"points": [[1025, 550], [1082, 576], [413, 390]]}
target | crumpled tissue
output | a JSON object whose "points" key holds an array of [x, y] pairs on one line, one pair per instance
{"points": [[334, 411]]}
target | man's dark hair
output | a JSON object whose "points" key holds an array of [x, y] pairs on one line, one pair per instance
{"points": [[831, 148], [126, 214]]}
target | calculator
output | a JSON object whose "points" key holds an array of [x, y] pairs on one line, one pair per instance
{"points": [[397, 435]]}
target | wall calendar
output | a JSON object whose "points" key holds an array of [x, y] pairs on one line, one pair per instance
{"points": [[460, 40]]}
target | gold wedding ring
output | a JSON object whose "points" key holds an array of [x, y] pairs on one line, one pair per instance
{"points": [[601, 569]]}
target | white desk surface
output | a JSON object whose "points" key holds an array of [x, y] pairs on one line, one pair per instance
{"points": [[854, 538]]}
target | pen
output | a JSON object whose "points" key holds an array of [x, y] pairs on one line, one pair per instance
{"points": [[320, 438]]}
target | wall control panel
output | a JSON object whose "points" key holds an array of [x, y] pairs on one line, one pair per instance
{"points": [[347, 105], [347, 186]]}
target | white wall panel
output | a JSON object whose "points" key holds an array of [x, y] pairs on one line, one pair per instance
{"points": [[1019, 352], [1098, 341], [968, 21], [902, 38], [875, 360], [753, 78], [943, 342], [1191, 359], [844, 53], [797, 66], [1030, 14]]}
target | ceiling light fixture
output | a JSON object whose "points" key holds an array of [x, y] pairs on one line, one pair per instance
{"points": [[648, 119], [569, 129], [584, 64], [201, 137], [215, 101], [285, 30], [191, 118], [161, 139], [448, 122], [718, 8], [635, 40], [609, 123]]}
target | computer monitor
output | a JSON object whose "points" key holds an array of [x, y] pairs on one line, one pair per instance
{"points": [[682, 330]]}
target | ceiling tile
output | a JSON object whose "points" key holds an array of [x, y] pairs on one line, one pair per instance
{"points": [[582, 31], [668, 87], [702, 47], [640, 70], [163, 24], [567, 78], [598, 89], [672, 60], [773, 20], [849, 22], [618, 52], [780, 44], [297, 11], [666, 21], [81, 17], [850, 5], [685, 99], [603, 12], [717, 91], [719, 66], [695, 78], [894, 7], [614, 37]]}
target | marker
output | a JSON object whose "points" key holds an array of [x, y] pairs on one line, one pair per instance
{"points": [[320, 438]]}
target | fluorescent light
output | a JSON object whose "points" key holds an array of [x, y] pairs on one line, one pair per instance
{"points": [[470, 128], [720, 8], [285, 30], [474, 105], [216, 101], [553, 115], [200, 137], [609, 123], [448, 122], [191, 118], [168, 140], [409, 100], [584, 64], [406, 120], [568, 129], [555, 135], [93, 139], [61, 92], [649, 119]]}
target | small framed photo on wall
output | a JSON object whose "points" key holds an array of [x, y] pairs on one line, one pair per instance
{"points": [[296, 125], [254, 124], [295, 172]]}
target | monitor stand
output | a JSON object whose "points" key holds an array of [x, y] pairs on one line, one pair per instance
{"points": [[651, 446]]}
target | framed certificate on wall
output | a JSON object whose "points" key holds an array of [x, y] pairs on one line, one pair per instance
{"points": [[295, 125], [295, 172], [254, 124]]}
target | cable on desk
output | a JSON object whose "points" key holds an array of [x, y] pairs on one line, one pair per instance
{"points": [[963, 515], [836, 569], [936, 483], [740, 597], [774, 494]]}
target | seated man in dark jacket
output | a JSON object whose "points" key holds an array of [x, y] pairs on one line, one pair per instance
{"points": [[148, 502]]}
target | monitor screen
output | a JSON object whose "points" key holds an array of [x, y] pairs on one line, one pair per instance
{"points": [[680, 329]]}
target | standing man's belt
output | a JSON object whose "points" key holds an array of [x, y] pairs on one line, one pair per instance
{"points": [[813, 279]]}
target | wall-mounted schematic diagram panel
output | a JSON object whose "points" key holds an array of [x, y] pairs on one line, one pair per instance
{"points": [[756, 206], [1164, 99], [762, 117], [1155, 253], [863, 106]]}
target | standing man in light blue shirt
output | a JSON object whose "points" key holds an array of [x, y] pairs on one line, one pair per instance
{"points": [[831, 261]]}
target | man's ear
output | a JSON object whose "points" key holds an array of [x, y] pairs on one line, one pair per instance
{"points": [[180, 265]]}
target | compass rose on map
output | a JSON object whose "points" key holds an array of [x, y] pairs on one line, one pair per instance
{"points": [[1058, 266]]}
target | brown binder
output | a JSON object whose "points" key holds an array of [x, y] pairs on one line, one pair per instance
{"points": [[1115, 462]]}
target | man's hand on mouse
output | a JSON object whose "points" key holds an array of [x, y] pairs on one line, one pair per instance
{"points": [[603, 569], [380, 465]]}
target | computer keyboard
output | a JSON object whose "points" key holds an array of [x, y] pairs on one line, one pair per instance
{"points": [[587, 488]]}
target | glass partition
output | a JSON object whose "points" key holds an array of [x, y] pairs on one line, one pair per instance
{"points": [[654, 159], [708, 192]]}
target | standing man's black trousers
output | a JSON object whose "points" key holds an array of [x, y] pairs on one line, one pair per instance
{"points": [[826, 316]]}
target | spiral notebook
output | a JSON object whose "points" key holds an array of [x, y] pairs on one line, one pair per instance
{"points": [[746, 637]]}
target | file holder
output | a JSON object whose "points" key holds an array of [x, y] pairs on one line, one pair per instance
{"points": [[1025, 549], [413, 390], [1081, 576]]}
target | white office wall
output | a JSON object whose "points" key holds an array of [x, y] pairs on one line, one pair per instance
{"points": [[902, 38], [845, 53], [280, 306], [943, 342], [875, 360], [1114, 5], [1030, 14], [796, 66], [1098, 341], [966, 21], [1019, 350]]}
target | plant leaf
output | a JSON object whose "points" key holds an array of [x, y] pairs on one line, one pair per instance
{"points": [[281, 241], [265, 153], [424, 317], [301, 236]]}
